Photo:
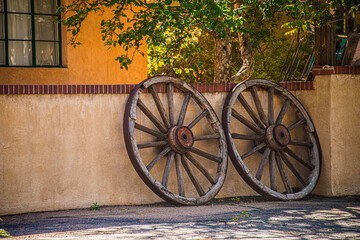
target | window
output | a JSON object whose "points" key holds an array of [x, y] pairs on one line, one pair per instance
{"points": [[29, 33]]}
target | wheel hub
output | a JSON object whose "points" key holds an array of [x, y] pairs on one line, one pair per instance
{"points": [[277, 136], [180, 139]]}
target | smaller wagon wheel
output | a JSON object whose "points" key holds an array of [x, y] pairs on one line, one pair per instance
{"points": [[175, 141], [272, 140]]}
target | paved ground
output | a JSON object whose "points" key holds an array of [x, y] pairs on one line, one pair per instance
{"points": [[237, 218]]}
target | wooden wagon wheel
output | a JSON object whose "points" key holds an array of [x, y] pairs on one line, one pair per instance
{"points": [[182, 159], [271, 139]]}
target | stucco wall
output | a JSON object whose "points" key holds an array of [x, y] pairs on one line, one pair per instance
{"points": [[89, 63], [345, 136], [67, 151], [334, 108]]}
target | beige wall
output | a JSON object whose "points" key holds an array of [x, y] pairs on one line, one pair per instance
{"points": [[334, 108], [67, 151]]}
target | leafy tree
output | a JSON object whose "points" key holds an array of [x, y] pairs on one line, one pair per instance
{"points": [[175, 31], [194, 60]]}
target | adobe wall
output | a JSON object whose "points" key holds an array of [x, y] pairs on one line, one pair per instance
{"points": [[64, 151], [67, 151], [334, 108], [89, 63]]}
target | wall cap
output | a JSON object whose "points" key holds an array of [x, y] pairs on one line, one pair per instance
{"points": [[127, 88], [329, 70]]}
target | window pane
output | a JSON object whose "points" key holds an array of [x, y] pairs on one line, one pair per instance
{"points": [[47, 53], [20, 53], [1, 5], [19, 26], [45, 6], [18, 6], [46, 28], [2, 26], [2, 52]]}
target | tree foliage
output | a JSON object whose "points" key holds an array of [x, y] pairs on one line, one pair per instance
{"points": [[150, 22], [180, 34], [302, 14]]}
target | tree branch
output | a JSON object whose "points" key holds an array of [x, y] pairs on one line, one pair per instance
{"points": [[247, 57]]}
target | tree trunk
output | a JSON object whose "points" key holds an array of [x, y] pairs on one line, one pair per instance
{"points": [[247, 57], [222, 62]]}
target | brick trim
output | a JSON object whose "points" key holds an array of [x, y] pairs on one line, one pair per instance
{"points": [[298, 86], [127, 88], [328, 70]]}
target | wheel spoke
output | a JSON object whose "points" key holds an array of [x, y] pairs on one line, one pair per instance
{"points": [[152, 144], [205, 155], [283, 111], [179, 175], [298, 123], [200, 168], [272, 171], [167, 169], [262, 164], [251, 113], [257, 102], [150, 131], [151, 116], [183, 109], [253, 137], [192, 176], [170, 97], [153, 162], [271, 105], [255, 149], [207, 137], [299, 159], [301, 143], [274, 162], [159, 106], [283, 173], [159, 154], [292, 168], [246, 122], [198, 118]]}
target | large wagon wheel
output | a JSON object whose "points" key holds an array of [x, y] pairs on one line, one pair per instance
{"points": [[272, 140], [182, 159]]}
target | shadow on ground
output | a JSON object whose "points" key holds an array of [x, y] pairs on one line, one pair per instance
{"points": [[237, 218]]}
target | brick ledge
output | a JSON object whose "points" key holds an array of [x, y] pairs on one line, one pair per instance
{"points": [[127, 88], [328, 70]]}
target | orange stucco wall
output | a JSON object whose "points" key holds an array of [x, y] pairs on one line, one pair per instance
{"points": [[90, 63]]}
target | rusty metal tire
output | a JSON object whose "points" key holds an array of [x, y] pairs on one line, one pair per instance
{"points": [[272, 141], [181, 159]]}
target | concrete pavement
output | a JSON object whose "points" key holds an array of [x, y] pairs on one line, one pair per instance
{"points": [[235, 218]]}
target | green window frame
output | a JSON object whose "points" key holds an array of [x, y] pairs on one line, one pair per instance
{"points": [[30, 33]]}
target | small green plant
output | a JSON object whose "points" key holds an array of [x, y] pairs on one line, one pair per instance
{"points": [[235, 219], [95, 207], [237, 199], [4, 233], [244, 214]]}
